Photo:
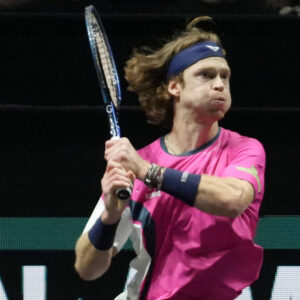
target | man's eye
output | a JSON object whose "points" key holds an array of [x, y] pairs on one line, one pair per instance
{"points": [[225, 76], [205, 75]]}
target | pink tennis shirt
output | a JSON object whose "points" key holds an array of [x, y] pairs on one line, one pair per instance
{"points": [[182, 252]]}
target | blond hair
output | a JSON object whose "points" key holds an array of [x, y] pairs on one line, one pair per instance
{"points": [[146, 71]]}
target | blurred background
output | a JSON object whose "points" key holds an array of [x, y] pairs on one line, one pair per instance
{"points": [[53, 127], [283, 7]]}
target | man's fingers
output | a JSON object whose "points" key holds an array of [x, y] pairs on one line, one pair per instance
{"points": [[115, 149], [115, 175], [113, 165], [131, 176]]}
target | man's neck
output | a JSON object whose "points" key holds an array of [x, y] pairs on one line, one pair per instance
{"points": [[186, 136]]}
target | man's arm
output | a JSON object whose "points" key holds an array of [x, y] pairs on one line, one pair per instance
{"points": [[227, 197], [94, 249], [92, 263]]}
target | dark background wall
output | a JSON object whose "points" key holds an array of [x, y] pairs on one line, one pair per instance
{"points": [[53, 126]]}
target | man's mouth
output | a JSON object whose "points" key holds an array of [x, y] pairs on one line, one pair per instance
{"points": [[219, 99]]}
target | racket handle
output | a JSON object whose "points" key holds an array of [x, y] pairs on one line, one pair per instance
{"points": [[123, 193]]}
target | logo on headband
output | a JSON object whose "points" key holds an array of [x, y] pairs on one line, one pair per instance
{"points": [[213, 48]]}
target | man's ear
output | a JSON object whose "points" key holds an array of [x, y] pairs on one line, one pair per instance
{"points": [[174, 88]]}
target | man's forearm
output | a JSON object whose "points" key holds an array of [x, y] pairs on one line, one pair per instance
{"points": [[91, 263]]}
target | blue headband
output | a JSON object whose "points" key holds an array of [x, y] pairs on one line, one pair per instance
{"points": [[191, 55]]}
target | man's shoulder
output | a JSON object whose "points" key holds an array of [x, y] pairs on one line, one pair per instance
{"points": [[236, 138], [238, 143]]}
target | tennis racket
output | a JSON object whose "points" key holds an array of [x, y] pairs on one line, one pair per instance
{"points": [[108, 76]]}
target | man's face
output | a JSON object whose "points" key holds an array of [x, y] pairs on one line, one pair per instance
{"points": [[205, 89]]}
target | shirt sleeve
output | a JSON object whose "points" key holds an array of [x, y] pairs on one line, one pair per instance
{"points": [[124, 227], [247, 162]]}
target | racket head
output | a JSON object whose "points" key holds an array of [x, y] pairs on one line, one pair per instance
{"points": [[103, 58]]}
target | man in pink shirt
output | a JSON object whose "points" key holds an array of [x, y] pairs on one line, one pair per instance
{"points": [[197, 191]]}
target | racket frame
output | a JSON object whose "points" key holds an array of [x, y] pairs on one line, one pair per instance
{"points": [[110, 105], [93, 27]]}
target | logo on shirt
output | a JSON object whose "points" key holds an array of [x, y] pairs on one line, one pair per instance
{"points": [[153, 194], [254, 172]]}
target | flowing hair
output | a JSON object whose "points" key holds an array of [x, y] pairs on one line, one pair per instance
{"points": [[146, 70]]}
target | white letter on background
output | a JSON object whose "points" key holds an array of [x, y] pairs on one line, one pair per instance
{"points": [[287, 283], [2, 291], [34, 282], [246, 294]]}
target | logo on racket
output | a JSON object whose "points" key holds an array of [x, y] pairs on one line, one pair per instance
{"points": [[109, 109]]}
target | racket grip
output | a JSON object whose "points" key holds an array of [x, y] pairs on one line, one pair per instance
{"points": [[123, 193]]}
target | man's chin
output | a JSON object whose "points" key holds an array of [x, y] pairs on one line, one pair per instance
{"points": [[218, 115]]}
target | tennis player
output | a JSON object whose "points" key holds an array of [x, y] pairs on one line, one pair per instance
{"points": [[196, 191]]}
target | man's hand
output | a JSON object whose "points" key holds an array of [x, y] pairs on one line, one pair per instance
{"points": [[115, 177], [122, 151]]}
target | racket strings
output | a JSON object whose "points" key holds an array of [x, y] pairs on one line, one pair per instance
{"points": [[107, 64]]}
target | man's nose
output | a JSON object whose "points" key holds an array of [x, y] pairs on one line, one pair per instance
{"points": [[218, 83]]}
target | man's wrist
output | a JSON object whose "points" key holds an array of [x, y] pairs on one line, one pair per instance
{"points": [[101, 235], [143, 170], [110, 218], [181, 185], [154, 176]]}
